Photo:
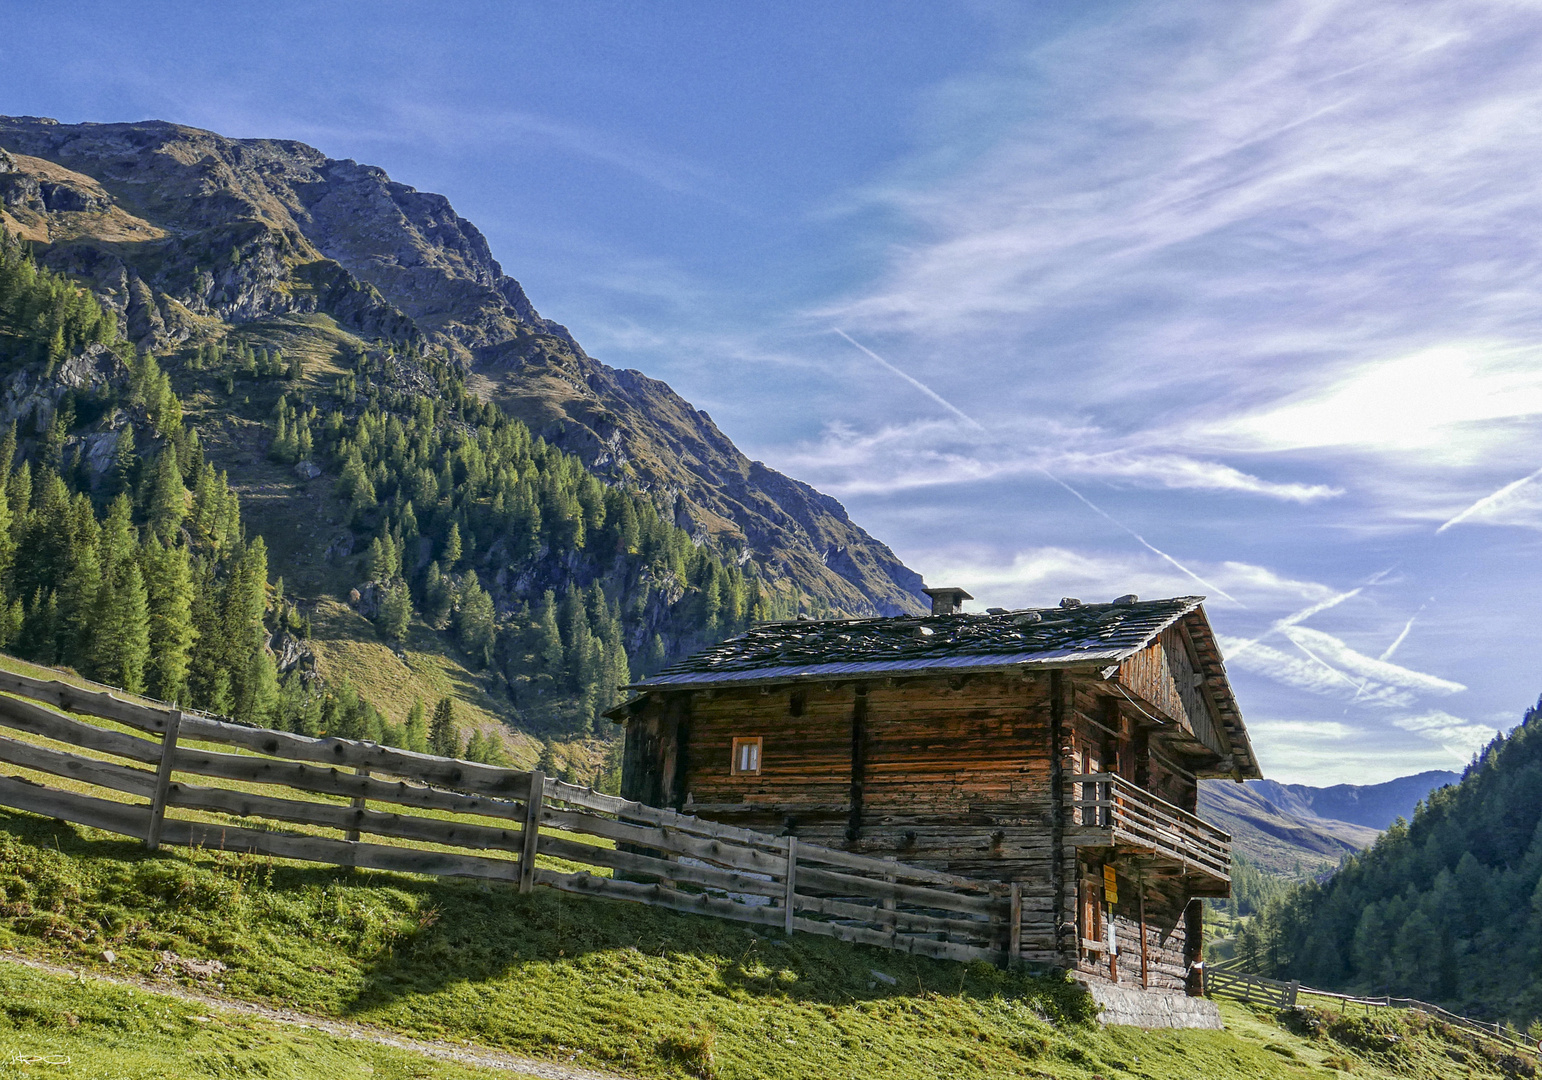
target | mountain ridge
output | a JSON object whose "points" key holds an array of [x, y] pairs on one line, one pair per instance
{"points": [[177, 227], [1296, 829]]}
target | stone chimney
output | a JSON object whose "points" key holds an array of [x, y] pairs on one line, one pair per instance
{"points": [[947, 601]]}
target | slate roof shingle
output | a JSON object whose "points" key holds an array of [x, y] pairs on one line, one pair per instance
{"points": [[1089, 633]]}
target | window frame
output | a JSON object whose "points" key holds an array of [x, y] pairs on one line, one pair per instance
{"points": [[741, 741]]}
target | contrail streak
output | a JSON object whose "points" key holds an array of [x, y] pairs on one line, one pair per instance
{"points": [[1141, 540], [1306, 613], [1489, 500], [1406, 627], [972, 422], [913, 381]]}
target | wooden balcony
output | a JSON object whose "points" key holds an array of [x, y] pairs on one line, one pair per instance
{"points": [[1108, 811]]}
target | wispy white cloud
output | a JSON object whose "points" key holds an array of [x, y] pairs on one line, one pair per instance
{"points": [[1437, 399], [926, 453], [1461, 738]]}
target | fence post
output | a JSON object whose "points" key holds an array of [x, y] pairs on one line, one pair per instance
{"points": [[163, 779], [792, 880], [1295, 988], [532, 830], [1015, 927], [358, 804]]}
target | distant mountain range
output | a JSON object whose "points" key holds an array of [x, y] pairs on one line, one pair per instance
{"points": [[1294, 829]]}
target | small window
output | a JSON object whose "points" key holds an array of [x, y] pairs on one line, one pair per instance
{"points": [[747, 756]]}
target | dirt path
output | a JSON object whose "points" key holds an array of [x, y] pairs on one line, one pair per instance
{"points": [[465, 1054]]}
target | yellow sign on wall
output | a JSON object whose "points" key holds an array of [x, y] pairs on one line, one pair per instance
{"points": [[1110, 884]]}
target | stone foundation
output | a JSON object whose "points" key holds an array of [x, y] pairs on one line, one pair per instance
{"points": [[1152, 1008]]}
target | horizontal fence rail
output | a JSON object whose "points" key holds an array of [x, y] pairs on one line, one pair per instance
{"points": [[1229, 982], [1139, 820], [657, 857]]}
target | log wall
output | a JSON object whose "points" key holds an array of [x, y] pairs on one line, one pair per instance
{"points": [[957, 775]]}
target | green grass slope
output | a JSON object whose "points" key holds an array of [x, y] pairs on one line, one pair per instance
{"points": [[51, 1025], [639, 991]]}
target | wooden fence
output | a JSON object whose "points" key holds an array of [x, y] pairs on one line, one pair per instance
{"points": [[657, 857], [1229, 982]]}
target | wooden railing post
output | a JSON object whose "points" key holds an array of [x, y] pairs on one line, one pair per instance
{"points": [[792, 881], [163, 779], [1015, 926], [358, 804], [532, 835]]}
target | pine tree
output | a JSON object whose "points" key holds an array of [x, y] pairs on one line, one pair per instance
{"points": [[416, 730], [443, 735], [169, 582], [260, 700], [123, 637], [125, 462], [437, 599], [452, 547], [80, 591], [7, 536], [168, 497], [396, 612], [117, 542], [245, 604], [208, 677], [547, 762], [547, 638], [475, 620]]}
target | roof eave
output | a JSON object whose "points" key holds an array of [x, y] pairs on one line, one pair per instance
{"points": [[847, 673]]}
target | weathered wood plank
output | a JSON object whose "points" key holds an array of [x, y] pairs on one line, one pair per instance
{"points": [[532, 831], [35, 720], [163, 780]]}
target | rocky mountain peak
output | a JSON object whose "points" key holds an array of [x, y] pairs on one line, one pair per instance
{"points": [[176, 226]]}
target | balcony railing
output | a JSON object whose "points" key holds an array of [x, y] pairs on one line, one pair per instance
{"points": [[1138, 821]]}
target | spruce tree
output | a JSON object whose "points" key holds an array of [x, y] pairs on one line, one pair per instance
{"points": [[123, 636], [443, 735], [452, 547]]}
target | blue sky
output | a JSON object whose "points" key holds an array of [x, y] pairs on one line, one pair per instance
{"points": [[1235, 299]]}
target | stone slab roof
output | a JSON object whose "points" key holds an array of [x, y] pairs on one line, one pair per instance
{"points": [[1087, 634]]}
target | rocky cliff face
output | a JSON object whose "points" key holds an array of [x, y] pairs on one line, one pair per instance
{"points": [[179, 229]]}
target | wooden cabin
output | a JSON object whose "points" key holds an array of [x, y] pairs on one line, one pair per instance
{"points": [[1056, 747]]}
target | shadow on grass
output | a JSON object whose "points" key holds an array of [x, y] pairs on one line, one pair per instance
{"points": [[355, 942]]}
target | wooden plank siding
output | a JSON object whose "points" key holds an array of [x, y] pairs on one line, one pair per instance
{"points": [[954, 776]]}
